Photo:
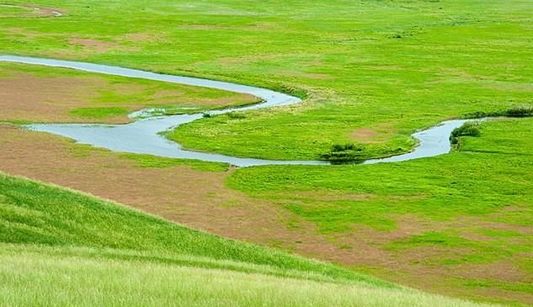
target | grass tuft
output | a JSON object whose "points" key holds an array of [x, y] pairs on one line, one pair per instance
{"points": [[468, 129], [517, 111], [344, 154]]}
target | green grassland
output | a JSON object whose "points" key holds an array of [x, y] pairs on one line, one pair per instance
{"points": [[371, 72], [39, 214], [61, 247], [474, 204], [389, 66]]}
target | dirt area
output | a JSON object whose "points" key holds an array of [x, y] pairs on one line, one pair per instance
{"points": [[46, 11], [94, 44], [363, 134], [423, 267], [201, 200], [379, 134], [34, 98]]}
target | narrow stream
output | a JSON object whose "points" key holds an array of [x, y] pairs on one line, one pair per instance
{"points": [[144, 135]]}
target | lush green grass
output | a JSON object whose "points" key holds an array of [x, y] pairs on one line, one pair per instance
{"points": [[148, 161], [391, 66], [161, 162], [43, 276], [99, 113]]}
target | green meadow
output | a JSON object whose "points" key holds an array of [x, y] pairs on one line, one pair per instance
{"points": [[370, 73], [390, 67], [473, 205]]}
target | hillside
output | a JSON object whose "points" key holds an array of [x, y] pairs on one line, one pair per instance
{"points": [[63, 247]]}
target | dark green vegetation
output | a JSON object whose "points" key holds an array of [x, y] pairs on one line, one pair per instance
{"points": [[520, 111], [474, 206], [468, 129], [347, 153]]}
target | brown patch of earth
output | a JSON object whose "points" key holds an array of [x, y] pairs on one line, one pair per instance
{"points": [[374, 135], [21, 32], [33, 98], [422, 267], [94, 44], [144, 37], [363, 134], [29, 98], [47, 11], [499, 270]]}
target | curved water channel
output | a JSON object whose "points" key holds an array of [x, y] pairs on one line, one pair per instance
{"points": [[144, 135]]}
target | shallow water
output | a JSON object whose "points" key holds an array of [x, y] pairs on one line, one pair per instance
{"points": [[144, 136]]}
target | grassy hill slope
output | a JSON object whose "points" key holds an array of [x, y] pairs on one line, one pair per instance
{"points": [[61, 247]]}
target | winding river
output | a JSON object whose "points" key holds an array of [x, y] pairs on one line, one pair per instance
{"points": [[143, 136]]}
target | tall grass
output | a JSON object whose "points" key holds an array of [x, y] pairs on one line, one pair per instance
{"points": [[62, 248], [40, 279], [343, 154]]}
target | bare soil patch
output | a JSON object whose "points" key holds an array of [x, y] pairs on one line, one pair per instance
{"points": [[378, 134], [94, 44], [29, 98], [34, 98], [46, 11], [363, 134]]}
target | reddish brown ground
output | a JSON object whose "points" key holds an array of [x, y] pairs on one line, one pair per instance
{"points": [[363, 134], [378, 134], [94, 44], [30, 97], [201, 200]]}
